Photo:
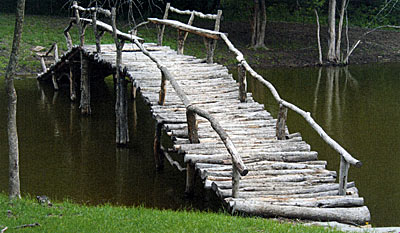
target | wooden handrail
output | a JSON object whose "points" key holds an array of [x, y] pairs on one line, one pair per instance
{"points": [[238, 166], [196, 13], [92, 9]]}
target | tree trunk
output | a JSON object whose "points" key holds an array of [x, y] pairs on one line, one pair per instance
{"points": [[339, 36], [259, 24], [318, 37], [332, 31], [14, 182]]}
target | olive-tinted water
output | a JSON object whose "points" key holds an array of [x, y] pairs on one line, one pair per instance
{"points": [[64, 155], [360, 108]]}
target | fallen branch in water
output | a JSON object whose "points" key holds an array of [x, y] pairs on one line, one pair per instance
{"points": [[28, 225]]}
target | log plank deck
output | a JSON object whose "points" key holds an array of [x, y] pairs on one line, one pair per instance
{"points": [[285, 177]]}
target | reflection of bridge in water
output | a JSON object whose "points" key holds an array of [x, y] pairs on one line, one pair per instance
{"points": [[236, 147]]}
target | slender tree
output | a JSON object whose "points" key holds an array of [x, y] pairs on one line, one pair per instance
{"points": [[332, 32], [14, 182], [259, 24]]}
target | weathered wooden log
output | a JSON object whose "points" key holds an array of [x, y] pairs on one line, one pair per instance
{"points": [[121, 105], [305, 115], [163, 90], [182, 26], [161, 28], [171, 161], [235, 181], [210, 48], [72, 91], [190, 179], [192, 127], [67, 36], [242, 83], [56, 58], [43, 64], [320, 202], [196, 13], [92, 9], [356, 215], [85, 86], [158, 155], [343, 173], [281, 123]]}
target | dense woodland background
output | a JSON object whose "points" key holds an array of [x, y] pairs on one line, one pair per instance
{"points": [[365, 13]]}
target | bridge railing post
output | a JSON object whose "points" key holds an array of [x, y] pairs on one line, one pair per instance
{"points": [[161, 29], [281, 123], [343, 174], [242, 83], [121, 105], [163, 90], [193, 138]]}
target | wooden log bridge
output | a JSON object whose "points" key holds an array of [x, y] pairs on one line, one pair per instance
{"points": [[225, 138]]}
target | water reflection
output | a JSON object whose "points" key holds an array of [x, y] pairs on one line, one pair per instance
{"points": [[66, 155], [359, 107]]}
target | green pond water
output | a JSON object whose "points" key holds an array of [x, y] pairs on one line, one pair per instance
{"points": [[64, 155]]}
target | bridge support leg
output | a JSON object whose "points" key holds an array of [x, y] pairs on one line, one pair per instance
{"points": [[121, 112], [190, 179], [281, 123], [158, 154], [134, 90], [193, 138], [72, 92], [54, 79], [85, 86]]}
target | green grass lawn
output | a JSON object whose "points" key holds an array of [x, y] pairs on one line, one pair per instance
{"points": [[69, 217]]}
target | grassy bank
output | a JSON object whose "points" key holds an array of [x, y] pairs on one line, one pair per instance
{"points": [[68, 217]]}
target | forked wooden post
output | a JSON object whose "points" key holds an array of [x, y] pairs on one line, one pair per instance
{"points": [[281, 123], [158, 155], [161, 28], [163, 90], [121, 105], [183, 35], [343, 174], [193, 138], [217, 25], [242, 83]]}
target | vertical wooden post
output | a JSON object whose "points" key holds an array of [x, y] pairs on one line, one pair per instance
{"points": [[183, 35], [281, 123], [242, 83], [121, 105], [72, 92], [163, 90], [162, 28], [235, 181], [181, 41], [158, 155], [54, 79], [96, 34], [193, 138], [209, 43], [85, 86], [192, 127], [43, 64], [217, 25], [343, 173], [134, 90], [56, 58]]}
